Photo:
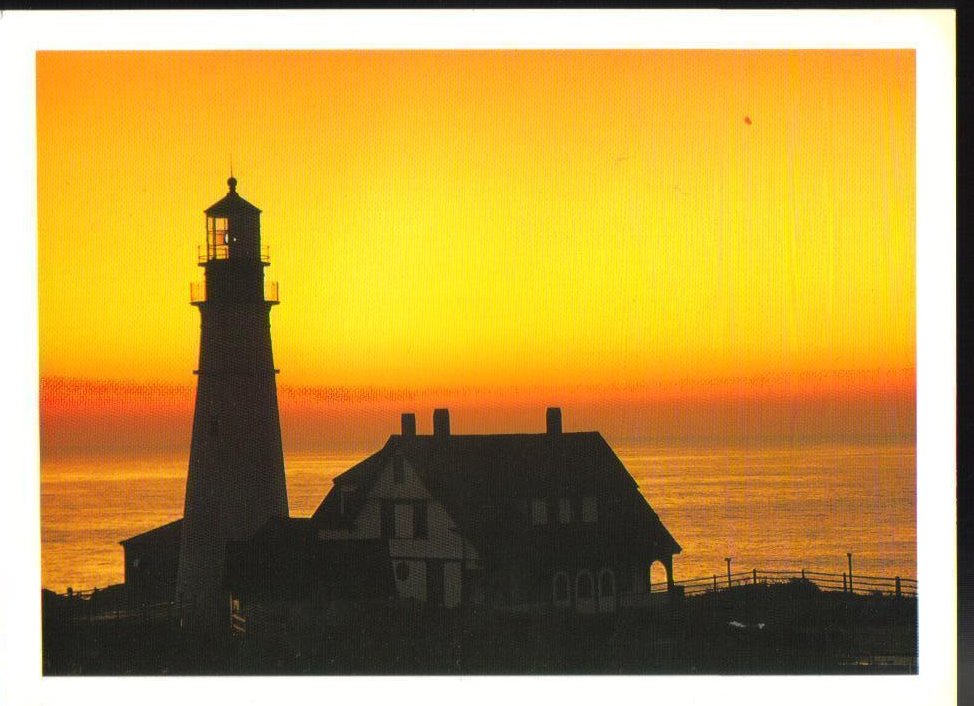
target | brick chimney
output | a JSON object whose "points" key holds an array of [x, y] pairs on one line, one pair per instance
{"points": [[441, 422], [554, 420], [408, 425]]}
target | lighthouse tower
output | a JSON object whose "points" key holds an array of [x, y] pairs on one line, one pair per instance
{"points": [[236, 464]]}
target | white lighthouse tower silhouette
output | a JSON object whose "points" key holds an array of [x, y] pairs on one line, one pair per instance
{"points": [[236, 464]]}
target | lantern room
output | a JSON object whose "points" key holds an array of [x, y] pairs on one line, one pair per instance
{"points": [[233, 230]]}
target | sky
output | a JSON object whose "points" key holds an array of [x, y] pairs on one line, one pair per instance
{"points": [[670, 245]]}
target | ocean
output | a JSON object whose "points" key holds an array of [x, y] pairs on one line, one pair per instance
{"points": [[769, 508]]}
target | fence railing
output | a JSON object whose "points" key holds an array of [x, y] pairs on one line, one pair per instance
{"points": [[85, 606], [96, 605], [862, 585]]}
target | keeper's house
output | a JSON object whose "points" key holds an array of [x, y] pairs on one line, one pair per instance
{"points": [[508, 521]]}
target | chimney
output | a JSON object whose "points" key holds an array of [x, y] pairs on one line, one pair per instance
{"points": [[554, 420], [409, 425], [441, 422]]}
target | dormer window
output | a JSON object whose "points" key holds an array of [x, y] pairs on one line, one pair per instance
{"points": [[487, 513], [590, 509], [564, 510]]}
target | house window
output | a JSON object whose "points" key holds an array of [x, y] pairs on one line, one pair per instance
{"points": [[560, 589], [404, 520], [487, 514], [564, 510], [590, 509], [583, 586], [402, 571], [387, 517], [539, 512], [398, 469], [420, 521]]}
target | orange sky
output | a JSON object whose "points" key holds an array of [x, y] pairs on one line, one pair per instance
{"points": [[729, 230]]}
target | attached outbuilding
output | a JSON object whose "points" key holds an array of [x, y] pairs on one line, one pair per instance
{"points": [[151, 564]]}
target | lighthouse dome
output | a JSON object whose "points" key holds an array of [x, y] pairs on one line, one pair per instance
{"points": [[232, 204]]}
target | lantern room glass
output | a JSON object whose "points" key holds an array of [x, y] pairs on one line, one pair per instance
{"points": [[217, 238]]}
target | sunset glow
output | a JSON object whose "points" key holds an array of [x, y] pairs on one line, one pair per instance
{"points": [[647, 238]]}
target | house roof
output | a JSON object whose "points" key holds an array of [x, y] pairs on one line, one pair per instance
{"points": [[167, 532], [486, 484]]}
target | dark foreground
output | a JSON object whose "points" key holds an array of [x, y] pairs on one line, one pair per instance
{"points": [[764, 629]]}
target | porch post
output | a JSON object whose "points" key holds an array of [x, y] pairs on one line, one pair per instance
{"points": [[667, 562]]}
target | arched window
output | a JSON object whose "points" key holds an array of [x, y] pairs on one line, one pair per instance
{"points": [[583, 585], [560, 590], [607, 584]]}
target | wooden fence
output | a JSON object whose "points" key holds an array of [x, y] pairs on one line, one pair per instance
{"points": [[93, 607], [862, 585]]}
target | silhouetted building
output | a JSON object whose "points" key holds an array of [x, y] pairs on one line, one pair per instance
{"points": [[285, 562], [516, 521], [236, 464], [284, 581], [506, 520], [151, 562]]}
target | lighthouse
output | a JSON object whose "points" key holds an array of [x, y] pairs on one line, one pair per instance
{"points": [[236, 464]]}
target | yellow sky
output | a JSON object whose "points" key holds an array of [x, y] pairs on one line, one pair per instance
{"points": [[629, 219]]}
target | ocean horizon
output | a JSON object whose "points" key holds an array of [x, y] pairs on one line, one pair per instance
{"points": [[769, 507]]}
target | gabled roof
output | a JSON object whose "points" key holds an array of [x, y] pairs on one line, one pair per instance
{"points": [[486, 484], [361, 475]]}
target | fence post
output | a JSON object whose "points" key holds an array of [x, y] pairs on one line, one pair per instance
{"points": [[849, 554], [898, 594], [715, 583], [844, 589], [754, 576], [803, 574], [728, 560]]}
